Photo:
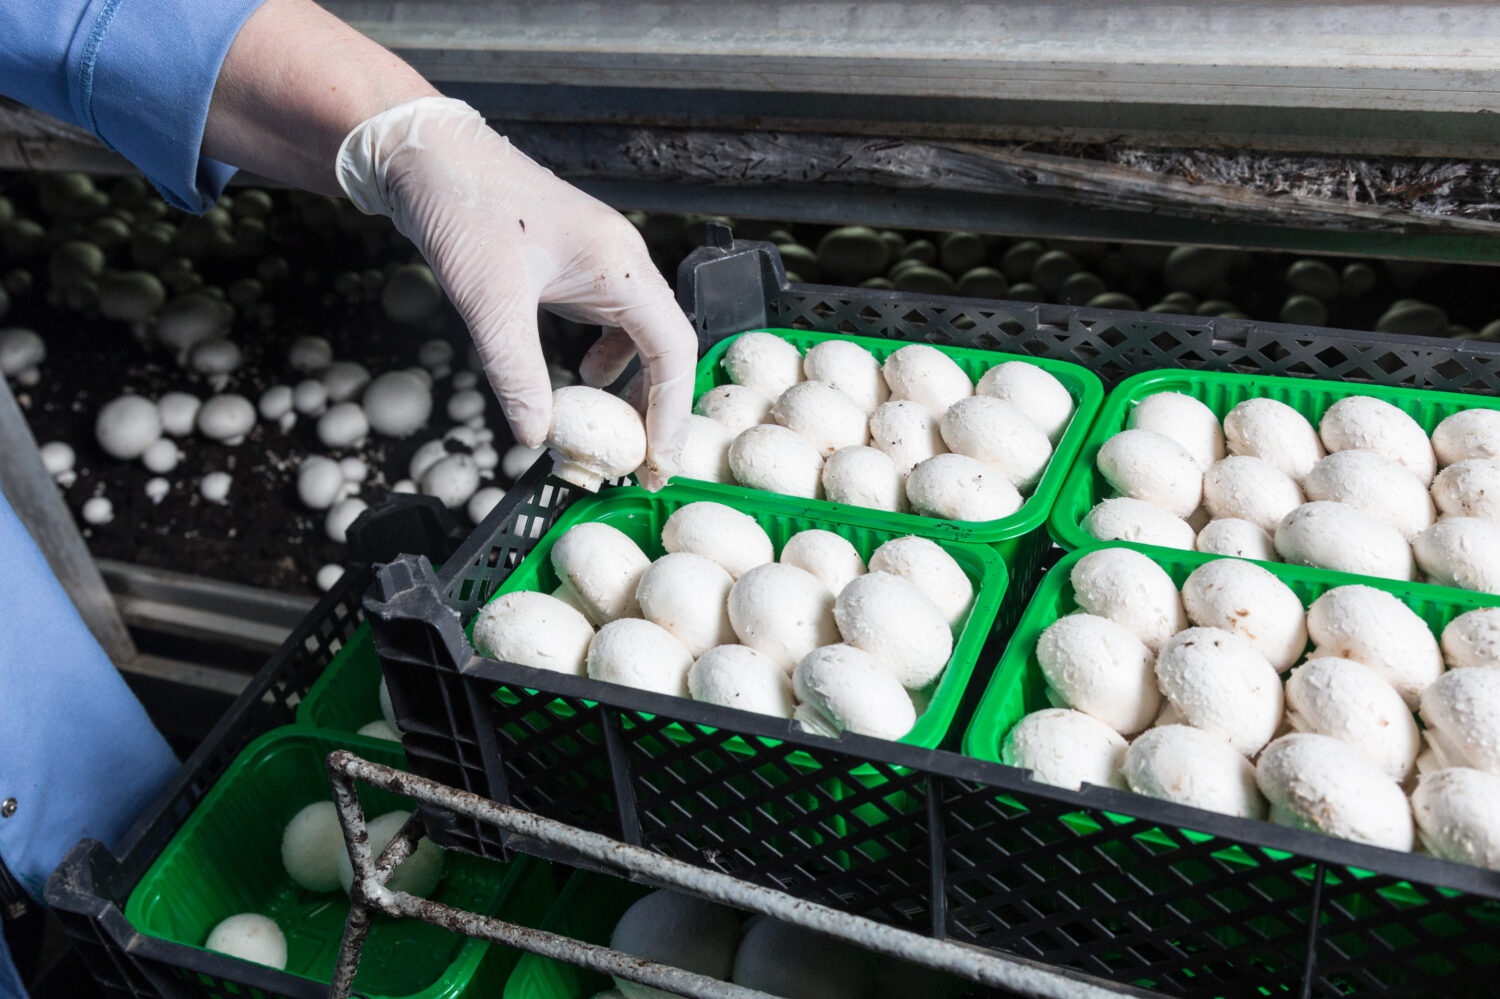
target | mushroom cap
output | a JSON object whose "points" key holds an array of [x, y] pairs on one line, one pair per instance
{"points": [[776, 459], [227, 418], [127, 425], [1124, 519], [1252, 602], [1001, 435], [764, 363], [1338, 536], [688, 595], [1193, 767], [1368, 480], [58, 457], [925, 375], [216, 356], [1131, 590], [705, 450], [1035, 391], [98, 510], [482, 502], [1362, 422], [957, 487], [738, 408], [1457, 811], [1184, 419], [784, 960], [894, 621], [826, 555], [1350, 701], [720, 533], [418, 874], [1223, 684], [851, 689], [274, 403], [907, 433], [467, 404], [863, 476], [1469, 433], [343, 425], [309, 353], [1460, 551], [1102, 669], [215, 486], [1144, 465], [309, 397], [640, 654], [1373, 627], [849, 368], [1461, 710], [249, 936], [822, 415], [452, 479], [179, 413], [1468, 488], [397, 403], [1235, 537], [681, 931], [518, 458], [341, 516], [425, 456], [604, 567], [1319, 783], [533, 629], [344, 380], [927, 565], [595, 436], [1473, 639], [1274, 431], [782, 612], [1244, 488], [1066, 748], [737, 676], [20, 350]]}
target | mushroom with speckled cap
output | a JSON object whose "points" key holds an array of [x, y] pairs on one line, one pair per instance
{"points": [[1100, 668], [1190, 766], [1319, 783], [1066, 748], [595, 436]]}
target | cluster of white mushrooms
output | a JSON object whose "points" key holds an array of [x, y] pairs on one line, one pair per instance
{"points": [[1360, 493], [1191, 680], [911, 434], [816, 635]]}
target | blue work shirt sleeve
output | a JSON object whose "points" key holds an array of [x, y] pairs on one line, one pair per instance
{"points": [[139, 74]]}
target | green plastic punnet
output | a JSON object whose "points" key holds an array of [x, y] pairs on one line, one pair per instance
{"points": [[346, 697], [586, 909], [1083, 385]]}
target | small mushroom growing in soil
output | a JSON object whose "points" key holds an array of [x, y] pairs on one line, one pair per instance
{"points": [[1131, 590], [1350, 701], [344, 380], [782, 612], [893, 621], [1100, 668], [764, 363], [595, 436], [1249, 601], [98, 511], [320, 482], [863, 476], [604, 567], [1319, 783], [1001, 435], [822, 415], [907, 433], [845, 689], [1184, 419], [1221, 683], [927, 565], [1460, 551], [776, 459], [737, 676], [178, 412], [1124, 519], [1373, 627], [343, 425], [1244, 488], [736, 407], [58, 459], [826, 555], [309, 354], [1193, 767], [688, 595], [957, 487], [309, 397], [719, 533], [452, 479], [1036, 392], [21, 355], [1461, 710], [1369, 424], [533, 629], [1238, 538], [340, 516], [1458, 816], [926, 376], [1144, 465], [397, 403], [1275, 432], [128, 425], [215, 487], [1469, 433], [640, 654], [1066, 748], [226, 418], [1370, 481], [1473, 639], [705, 450], [849, 368], [1345, 538]]}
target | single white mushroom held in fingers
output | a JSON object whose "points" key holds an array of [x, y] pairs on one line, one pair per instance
{"points": [[1457, 811], [1362, 422], [826, 555], [849, 368], [533, 629], [763, 363], [823, 416], [1370, 481], [1374, 627], [1124, 519], [341, 516], [397, 403], [1237, 538], [1184, 419], [1461, 710], [705, 450], [782, 612], [863, 476], [1275, 432], [736, 676], [1193, 767], [127, 426], [845, 689], [1338, 536], [1144, 465], [1223, 684], [452, 479], [1244, 488], [1319, 783], [1035, 391], [640, 654], [1000, 434], [776, 459], [1131, 590], [1066, 748], [1462, 552], [925, 375], [595, 436], [179, 413], [604, 567], [688, 595], [1250, 601], [926, 565], [893, 621], [720, 533], [957, 487], [738, 408], [1350, 701], [1100, 668], [1473, 639], [226, 418], [907, 433], [1469, 488], [1469, 433], [680, 931]]}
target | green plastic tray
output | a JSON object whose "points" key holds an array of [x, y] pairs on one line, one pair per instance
{"points": [[640, 515], [1221, 392], [347, 696], [226, 858], [1082, 384], [586, 909]]}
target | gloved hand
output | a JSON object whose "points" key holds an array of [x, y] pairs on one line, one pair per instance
{"points": [[503, 235]]}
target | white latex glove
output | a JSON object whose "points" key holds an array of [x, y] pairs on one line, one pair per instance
{"points": [[504, 235]]}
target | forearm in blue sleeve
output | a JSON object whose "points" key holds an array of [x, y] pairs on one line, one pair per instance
{"points": [[139, 74]]}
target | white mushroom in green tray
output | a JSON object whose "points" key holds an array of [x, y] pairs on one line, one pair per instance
{"points": [[1468, 488], [893, 621], [784, 960], [718, 532], [764, 363], [926, 376], [1100, 668], [907, 433], [1461, 711], [1458, 816], [640, 654], [1066, 748], [1350, 701], [1037, 392], [1374, 627], [1252, 602], [736, 676], [957, 487], [705, 450], [826, 555], [604, 567], [1473, 639], [822, 415], [680, 931], [1222, 683], [1469, 433], [1184, 419], [688, 595], [1342, 537], [1371, 481], [310, 845], [1370, 424], [783, 612], [249, 936], [927, 565], [1124, 519], [863, 476], [1274, 431], [1131, 590], [776, 459], [1193, 767], [595, 436], [843, 688], [1462, 552], [533, 629], [1237, 538], [736, 407], [1001, 435], [418, 874], [1244, 488], [1318, 783], [1144, 465], [849, 368]]}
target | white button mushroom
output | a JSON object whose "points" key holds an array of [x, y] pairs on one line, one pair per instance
{"points": [[1223, 684], [126, 426], [1461, 710], [1373, 627], [157, 489], [470, 403], [1369, 424], [249, 936], [1244, 488], [1460, 551], [344, 380], [783, 612], [735, 406], [309, 397], [736, 676], [764, 363], [354, 468], [775, 459], [405, 486], [688, 595], [58, 459], [309, 353], [1275, 432], [826, 555], [1236, 537], [178, 412], [705, 450], [425, 456], [1100, 668], [1196, 768], [1469, 433], [226, 419], [161, 456], [1184, 419], [517, 459], [849, 368], [1001, 435], [310, 845], [343, 425], [595, 436], [863, 476], [1350, 701], [604, 567], [320, 482], [893, 621], [379, 729], [98, 510], [640, 654], [468, 379], [1126, 519], [418, 874], [926, 376], [1468, 488], [341, 516], [1252, 602], [327, 578], [845, 689], [21, 354], [275, 403], [1035, 392], [1131, 590], [191, 318], [1345, 538], [569, 596], [679, 931], [396, 404], [482, 502], [533, 629], [783, 960], [906, 432], [957, 487], [435, 355], [821, 415], [215, 486], [452, 479], [216, 356], [1319, 783], [927, 565], [1066, 748], [1368, 480], [1473, 639], [1458, 816], [1144, 465], [720, 533]]}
